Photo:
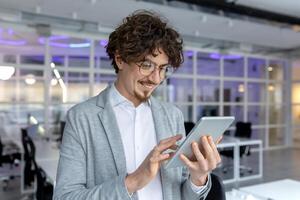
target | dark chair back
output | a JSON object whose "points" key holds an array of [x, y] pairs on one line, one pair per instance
{"points": [[29, 158], [188, 126], [217, 191], [44, 190], [243, 130]]}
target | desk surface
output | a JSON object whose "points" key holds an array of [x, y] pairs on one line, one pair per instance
{"points": [[277, 190]]}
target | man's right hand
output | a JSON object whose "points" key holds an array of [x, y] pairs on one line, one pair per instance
{"points": [[150, 166]]}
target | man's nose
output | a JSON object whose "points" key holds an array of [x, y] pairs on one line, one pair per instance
{"points": [[155, 76]]}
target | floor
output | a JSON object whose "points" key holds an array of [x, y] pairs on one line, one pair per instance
{"points": [[278, 164]]}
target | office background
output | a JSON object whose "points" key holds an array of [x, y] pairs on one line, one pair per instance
{"points": [[52, 56]]}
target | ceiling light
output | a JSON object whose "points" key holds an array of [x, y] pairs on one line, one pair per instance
{"points": [[271, 88], [241, 88], [54, 82], [30, 79], [270, 68], [52, 65], [6, 72]]}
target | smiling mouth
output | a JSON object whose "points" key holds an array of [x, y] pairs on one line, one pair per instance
{"points": [[147, 85]]}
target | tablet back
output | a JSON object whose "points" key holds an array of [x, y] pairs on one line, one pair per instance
{"points": [[214, 126]]}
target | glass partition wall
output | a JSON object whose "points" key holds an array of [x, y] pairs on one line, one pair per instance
{"points": [[45, 76]]}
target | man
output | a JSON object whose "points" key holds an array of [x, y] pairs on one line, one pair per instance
{"points": [[114, 144]]}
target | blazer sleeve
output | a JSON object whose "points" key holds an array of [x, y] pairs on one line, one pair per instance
{"points": [[71, 173], [187, 191]]}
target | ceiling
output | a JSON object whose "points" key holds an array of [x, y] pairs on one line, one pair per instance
{"points": [[206, 29]]}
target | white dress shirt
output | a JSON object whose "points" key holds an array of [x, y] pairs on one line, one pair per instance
{"points": [[138, 135]]}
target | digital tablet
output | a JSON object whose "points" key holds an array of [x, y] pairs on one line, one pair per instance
{"points": [[213, 126]]}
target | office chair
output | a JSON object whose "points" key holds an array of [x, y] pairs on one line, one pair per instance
{"points": [[188, 126], [44, 190], [243, 130], [29, 158], [217, 191]]}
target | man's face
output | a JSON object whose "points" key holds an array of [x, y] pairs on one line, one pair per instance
{"points": [[135, 86]]}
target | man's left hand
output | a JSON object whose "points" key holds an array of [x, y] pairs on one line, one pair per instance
{"points": [[206, 158]]}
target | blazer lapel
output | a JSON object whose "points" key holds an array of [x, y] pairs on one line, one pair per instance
{"points": [[109, 122], [161, 123], [163, 131]]}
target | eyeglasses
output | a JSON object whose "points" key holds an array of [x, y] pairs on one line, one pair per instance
{"points": [[147, 67]]}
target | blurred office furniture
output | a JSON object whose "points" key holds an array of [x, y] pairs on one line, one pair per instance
{"points": [[188, 126], [217, 191], [44, 189], [9, 162], [243, 131], [29, 158], [61, 130]]}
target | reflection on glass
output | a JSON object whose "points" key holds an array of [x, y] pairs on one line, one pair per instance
{"points": [[207, 65], [234, 67], [102, 81], [234, 91], [187, 66], [276, 70], [77, 87], [296, 115], [79, 61], [259, 134], [10, 59], [32, 59], [105, 63], [187, 111], [296, 72], [35, 73], [183, 89], [296, 136], [276, 93], [276, 136], [8, 90], [32, 89], [256, 68], [256, 92], [58, 60], [296, 93], [277, 114], [236, 111], [207, 111], [102, 60], [208, 90], [256, 115]]}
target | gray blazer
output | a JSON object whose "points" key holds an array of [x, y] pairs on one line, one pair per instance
{"points": [[92, 160]]}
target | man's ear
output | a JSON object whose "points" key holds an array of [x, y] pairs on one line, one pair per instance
{"points": [[119, 61]]}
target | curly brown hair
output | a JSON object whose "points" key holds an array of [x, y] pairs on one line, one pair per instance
{"points": [[141, 34]]}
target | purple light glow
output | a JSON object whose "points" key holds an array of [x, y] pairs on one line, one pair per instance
{"points": [[189, 53], [53, 42], [103, 43], [13, 42], [226, 57]]}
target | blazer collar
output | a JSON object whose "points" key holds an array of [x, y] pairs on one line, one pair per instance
{"points": [[109, 122]]}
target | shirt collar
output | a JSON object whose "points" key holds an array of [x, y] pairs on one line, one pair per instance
{"points": [[117, 98]]}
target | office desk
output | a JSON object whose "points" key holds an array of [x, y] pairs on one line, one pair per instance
{"points": [[286, 189]]}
